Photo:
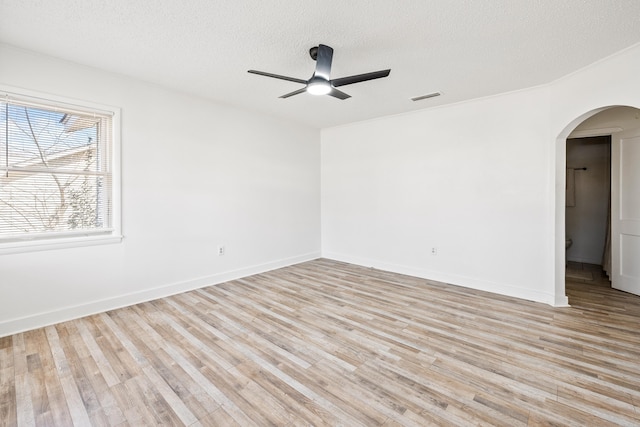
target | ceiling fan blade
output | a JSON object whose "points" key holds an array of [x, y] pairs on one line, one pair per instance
{"points": [[277, 76], [343, 81], [295, 92], [338, 94], [323, 61]]}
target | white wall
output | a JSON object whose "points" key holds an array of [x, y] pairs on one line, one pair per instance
{"points": [[587, 221], [465, 179], [195, 174], [483, 181], [610, 82]]}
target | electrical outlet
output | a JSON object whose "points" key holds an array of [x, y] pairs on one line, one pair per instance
{"points": [[220, 250], [434, 251]]}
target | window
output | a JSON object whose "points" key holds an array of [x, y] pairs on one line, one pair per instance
{"points": [[57, 173]]}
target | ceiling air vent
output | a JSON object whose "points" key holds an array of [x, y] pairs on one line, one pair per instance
{"points": [[427, 96]]}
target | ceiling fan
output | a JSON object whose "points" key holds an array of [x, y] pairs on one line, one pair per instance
{"points": [[320, 83]]}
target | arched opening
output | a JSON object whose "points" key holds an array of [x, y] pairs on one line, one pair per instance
{"points": [[609, 121]]}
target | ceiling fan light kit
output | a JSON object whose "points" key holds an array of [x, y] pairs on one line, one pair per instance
{"points": [[320, 83], [319, 87]]}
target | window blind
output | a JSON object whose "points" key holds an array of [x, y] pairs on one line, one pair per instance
{"points": [[55, 169]]}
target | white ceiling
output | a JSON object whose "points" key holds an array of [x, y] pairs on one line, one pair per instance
{"points": [[462, 48]]}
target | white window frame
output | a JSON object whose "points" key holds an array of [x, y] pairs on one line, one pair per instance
{"points": [[71, 238]]}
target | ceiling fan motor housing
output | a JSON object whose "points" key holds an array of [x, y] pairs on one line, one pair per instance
{"points": [[314, 53]]}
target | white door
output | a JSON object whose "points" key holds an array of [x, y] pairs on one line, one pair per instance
{"points": [[625, 211]]}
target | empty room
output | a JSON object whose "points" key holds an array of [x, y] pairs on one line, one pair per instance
{"points": [[290, 213]]}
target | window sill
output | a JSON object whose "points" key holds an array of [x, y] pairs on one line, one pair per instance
{"points": [[60, 243]]}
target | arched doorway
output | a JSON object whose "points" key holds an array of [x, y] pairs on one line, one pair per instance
{"points": [[619, 122]]}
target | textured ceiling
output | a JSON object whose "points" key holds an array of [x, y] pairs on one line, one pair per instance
{"points": [[464, 48]]}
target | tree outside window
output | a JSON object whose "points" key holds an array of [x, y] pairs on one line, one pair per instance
{"points": [[55, 171]]}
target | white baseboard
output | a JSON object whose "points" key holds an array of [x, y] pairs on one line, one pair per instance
{"points": [[17, 325], [562, 301], [468, 282]]}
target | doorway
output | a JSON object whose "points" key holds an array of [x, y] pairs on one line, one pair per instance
{"points": [[588, 206], [622, 125]]}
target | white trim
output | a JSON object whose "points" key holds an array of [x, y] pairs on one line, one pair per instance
{"points": [[17, 325], [557, 183], [46, 100], [16, 247], [33, 237], [586, 133], [70, 239]]}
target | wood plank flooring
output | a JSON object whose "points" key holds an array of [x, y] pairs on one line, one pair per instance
{"points": [[328, 343]]}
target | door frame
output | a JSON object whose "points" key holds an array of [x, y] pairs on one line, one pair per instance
{"points": [[622, 225], [559, 227]]}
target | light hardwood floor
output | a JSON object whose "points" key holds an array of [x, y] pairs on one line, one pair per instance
{"points": [[328, 343]]}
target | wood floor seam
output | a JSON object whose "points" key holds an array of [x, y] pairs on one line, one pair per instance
{"points": [[326, 343]]}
